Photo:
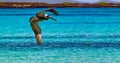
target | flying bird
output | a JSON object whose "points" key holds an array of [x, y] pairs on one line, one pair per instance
{"points": [[40, 16]]}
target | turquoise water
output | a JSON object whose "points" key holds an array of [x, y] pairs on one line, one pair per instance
{"points": [[81, 35]]}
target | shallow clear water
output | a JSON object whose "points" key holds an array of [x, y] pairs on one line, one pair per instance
{"points": [[81, 35]]}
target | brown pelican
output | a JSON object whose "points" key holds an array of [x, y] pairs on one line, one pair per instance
{"points": [[40, 16]]}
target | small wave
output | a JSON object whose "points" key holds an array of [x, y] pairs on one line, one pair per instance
{"points": [[16, 14], [87, 14], [16, 37], [61, 44], [62, 36], [68, 22]]}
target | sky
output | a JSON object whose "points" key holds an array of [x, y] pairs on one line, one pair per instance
{"points": [[59, 1]]}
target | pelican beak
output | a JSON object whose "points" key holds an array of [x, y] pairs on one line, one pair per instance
{"points": [[52, 18]]}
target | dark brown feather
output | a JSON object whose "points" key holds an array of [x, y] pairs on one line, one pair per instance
{"points": [[52, 11]]}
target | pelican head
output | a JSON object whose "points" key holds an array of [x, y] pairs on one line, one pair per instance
{"points": [[49, 17], [46, 16]]}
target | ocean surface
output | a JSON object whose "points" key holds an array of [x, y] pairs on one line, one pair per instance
{"points": [[80, 35]]}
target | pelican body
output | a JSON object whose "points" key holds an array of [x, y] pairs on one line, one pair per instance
{"points": [[40, 16]]}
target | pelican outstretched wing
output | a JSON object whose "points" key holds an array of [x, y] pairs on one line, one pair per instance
{"points": [[42, 13], [52, 11]]}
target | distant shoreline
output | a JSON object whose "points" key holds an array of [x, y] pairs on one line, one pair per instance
{"points": [[58, 5]]}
